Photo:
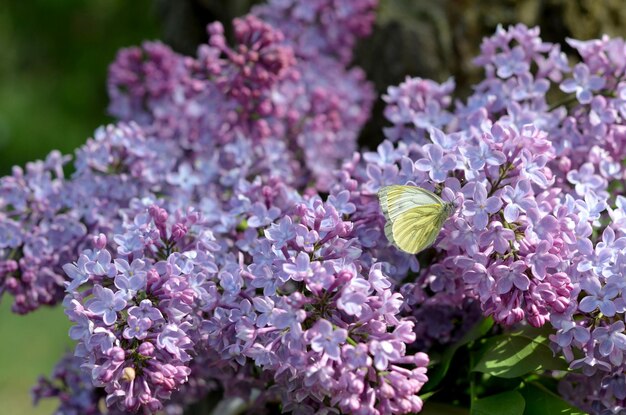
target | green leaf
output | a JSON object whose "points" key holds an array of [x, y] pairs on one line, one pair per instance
{"points": [[515, 354], [426, 395], [540, 400], [436, 376], [507, 403], [536, 334], [437, 408]]}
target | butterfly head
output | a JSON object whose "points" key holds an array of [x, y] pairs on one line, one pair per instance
{"points": [[449, 208]]}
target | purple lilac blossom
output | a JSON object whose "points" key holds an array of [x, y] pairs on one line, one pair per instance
{"points": [[300, 116], [219, 267], [523, 239]]}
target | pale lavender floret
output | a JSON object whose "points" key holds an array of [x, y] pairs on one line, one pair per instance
{"points": [[354, 297], [601, 115], [137, 328], [592, 205], [377, 280], [620, 102], [280, 233], [529, 88], [379, 177], [186, 178], [584, 179], [436, 164], [230, 282], [533, 168], [261, 216], [610, 169], [510, 275], [283, 319], [481, 206], [136, 268], [300, 268], [543, 229], [265, 306], [175, 341], [610, 241], [596, 260], [385, 154], [77, 273], [447, 142], [264, 278], [102, 340], [542, 259], [128, 243], [568, 331], [326, 340], [600, 297], [356, 357], [145, 310], [517, 200], [612, 341], [10, 234], [101, 264], [106, 304], [431, 117], [482, 155], [383, 352], [83, 328], [583, 84], [618, 215], [131, 279], [511, 63], [182, 263], [342, 203], [554, 65], [499, 236]]}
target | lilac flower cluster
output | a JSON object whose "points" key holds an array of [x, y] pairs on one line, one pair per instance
{"points": [[326, 330], [45, 218], [135, 322], [531, 182], [304, 110], [34, 239], [195, 253], [192, 130], [328, 321], [327, 27], [163, 303]]}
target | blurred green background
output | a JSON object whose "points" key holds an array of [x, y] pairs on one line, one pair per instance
{"points": [[53, 64]]}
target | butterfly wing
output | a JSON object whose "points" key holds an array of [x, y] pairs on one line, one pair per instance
{"points": [[396, 199], [414, 216], [417, 228]]}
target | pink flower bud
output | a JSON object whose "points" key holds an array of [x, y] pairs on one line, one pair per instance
{"points": [[100, 241]]}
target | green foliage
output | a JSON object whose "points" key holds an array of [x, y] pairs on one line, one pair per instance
{"points": [[443, 364], [540, 400], [489, 372], [53, 65], [507, 403], [516, 354]]}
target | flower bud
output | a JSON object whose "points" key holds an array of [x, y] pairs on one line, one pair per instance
{"points": [[128, 374]]}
